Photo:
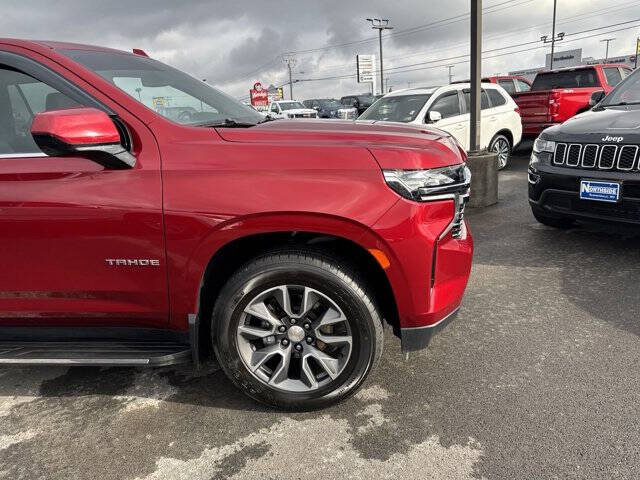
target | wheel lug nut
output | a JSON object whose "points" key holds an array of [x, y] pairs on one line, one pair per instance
{"points": [[285, 342], [282, 329], [298, 347], [307, 326], [292, 321], [309, 340]]}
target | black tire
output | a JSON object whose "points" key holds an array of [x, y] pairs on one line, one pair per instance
{"points": [[306, 268], [555, 222], [501, 142]]}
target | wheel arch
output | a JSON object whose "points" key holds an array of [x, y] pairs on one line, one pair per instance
{"points": [[507, 133], [233, 254]]}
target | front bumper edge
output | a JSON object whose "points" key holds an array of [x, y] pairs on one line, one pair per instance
{"points": [[418, 338]]}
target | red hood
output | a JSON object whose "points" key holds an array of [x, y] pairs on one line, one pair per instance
{"points": [[393, 145]]}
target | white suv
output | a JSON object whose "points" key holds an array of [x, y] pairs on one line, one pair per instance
{"points": [[448, 108]]}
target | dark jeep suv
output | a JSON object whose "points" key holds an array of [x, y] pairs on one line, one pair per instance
{"points": [[588, 168]]}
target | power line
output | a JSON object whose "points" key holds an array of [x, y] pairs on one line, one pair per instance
{"points": [[564, 22], [337, 77], [409, 30]]}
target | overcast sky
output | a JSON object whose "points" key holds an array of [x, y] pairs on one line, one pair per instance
{"points": [[234, 43]]}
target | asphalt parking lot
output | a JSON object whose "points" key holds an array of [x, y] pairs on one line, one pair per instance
{"points": [[538, 378]]}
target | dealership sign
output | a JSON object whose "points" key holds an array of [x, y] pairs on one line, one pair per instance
{"points": [[366, 66], [259, 95]]}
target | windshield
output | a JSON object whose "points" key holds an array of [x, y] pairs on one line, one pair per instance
{"points": [[627, 92], [290, 105], [366, 100], [332, 104], [586, 77], [403, 108], [165, 90]]}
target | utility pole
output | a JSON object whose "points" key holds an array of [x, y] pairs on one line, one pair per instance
{"points": [[606, 55], [637, 52], [554, 38], [476, 74], [380, 24], [291, 62], [450, 67]]}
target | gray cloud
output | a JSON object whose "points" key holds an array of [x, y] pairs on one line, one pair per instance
{"points": [[226, 41]]}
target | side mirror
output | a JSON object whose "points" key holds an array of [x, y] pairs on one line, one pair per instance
{"points": [[87, 132], [434, 116], [596, 97], [316, 108]]}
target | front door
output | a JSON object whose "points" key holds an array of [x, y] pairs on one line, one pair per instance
{"points": [[448, 105], [79, 244]]}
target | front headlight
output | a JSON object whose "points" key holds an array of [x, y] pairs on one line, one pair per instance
{"points": [[431, 184], [541, 145]]}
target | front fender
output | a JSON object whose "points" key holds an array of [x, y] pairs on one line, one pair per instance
{"points": [[186, 272]]}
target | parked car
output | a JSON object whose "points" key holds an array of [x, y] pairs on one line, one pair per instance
{"points": [[448, 108], [558, 95], [134, 239], [331, 108], [513, 84], [588, 168], [290, 109], [359, 102]]}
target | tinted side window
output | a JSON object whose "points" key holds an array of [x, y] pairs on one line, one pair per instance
{"points": [[496, 97], [21, 97], [507, 85], [522, 86], [613, 76], [484, 100], [447, 104]]}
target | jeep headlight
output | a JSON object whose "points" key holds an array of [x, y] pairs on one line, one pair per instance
{"points": [[430, 184], [542, 145]]}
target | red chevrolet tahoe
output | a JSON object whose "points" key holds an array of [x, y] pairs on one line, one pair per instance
{"points": [[558, 95], [149, 219]]}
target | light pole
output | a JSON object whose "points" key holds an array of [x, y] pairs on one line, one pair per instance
{"points": [[380, 24], [606, 55], [553, 32], [450, 67], [476, 74]]}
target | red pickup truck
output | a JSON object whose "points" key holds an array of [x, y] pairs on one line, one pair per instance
{"points": [[558, 95], [149, 219]]}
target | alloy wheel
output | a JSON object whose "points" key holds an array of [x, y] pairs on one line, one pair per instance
{"points": [[294, 338], [501, 147]]}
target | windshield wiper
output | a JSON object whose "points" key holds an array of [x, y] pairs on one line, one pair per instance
{"points": [[620, 104], [267, 119], [231, 123]]}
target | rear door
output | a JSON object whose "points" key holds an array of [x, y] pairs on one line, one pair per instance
{"points": [[453, 119], [80, 244], [486, 116]]}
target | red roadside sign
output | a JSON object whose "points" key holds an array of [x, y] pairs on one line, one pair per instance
{"points": [[259, 95]]}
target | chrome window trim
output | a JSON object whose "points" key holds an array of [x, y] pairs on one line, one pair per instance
{"points": [[634, 157], [595, 159], [615, 154], [23, 155], [568, 150]]}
